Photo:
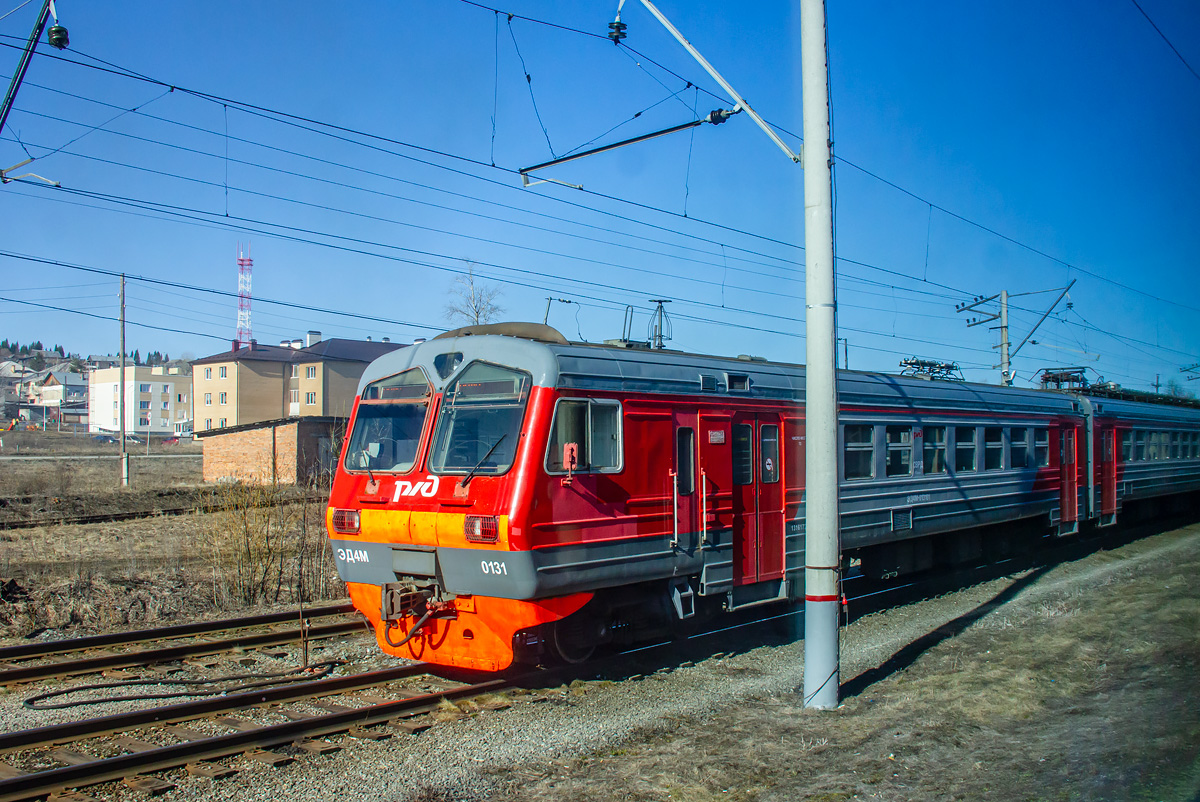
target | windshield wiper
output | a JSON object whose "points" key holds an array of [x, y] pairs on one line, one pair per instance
{"points": [[367, 464], [479, 464]]}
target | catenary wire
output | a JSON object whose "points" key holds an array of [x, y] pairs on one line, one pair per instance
{"points": [[292, 119]]}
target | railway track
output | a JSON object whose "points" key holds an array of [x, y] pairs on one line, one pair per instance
{"points": [[297, 715], [33, 661]]}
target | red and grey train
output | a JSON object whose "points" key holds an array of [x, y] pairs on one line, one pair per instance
{"points": [[505, 495]]}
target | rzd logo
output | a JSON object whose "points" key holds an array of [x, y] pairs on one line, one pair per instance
{"points": [[427, 488]]}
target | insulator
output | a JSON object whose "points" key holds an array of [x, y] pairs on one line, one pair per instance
{"points": [[616, 31], [57, 36]]}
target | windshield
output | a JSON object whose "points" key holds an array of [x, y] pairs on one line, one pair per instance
{"points": [[388, 425], [479, 425]]}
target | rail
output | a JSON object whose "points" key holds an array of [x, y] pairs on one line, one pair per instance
{"points": [[38, 784]]}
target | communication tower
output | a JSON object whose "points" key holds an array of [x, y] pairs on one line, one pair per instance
{"points": [[245, 267]]}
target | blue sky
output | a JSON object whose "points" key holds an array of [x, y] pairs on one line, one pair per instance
{"points": [[980, 147]]}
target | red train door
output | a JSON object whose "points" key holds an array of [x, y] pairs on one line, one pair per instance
{"points": [[1068, 477], [770, 498], [757, 498], [716, 471], [745, 499], [1108, 477], [685, 524]]}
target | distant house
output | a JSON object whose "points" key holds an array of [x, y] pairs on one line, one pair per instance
{"points": [[296, 379], [53, 394], [98, 361], [156, 402]]}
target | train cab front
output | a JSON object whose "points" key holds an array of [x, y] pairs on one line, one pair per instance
{"points": [[422, 507]]}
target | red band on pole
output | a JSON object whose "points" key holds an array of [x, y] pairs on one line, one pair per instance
{"points": [[822, 598]]}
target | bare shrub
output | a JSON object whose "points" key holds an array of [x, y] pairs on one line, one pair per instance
{"points": [[63, 479], [32, 483], [267, 544]]}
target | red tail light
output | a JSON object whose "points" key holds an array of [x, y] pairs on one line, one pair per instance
{"points": [[346, 522], [481, 528]]}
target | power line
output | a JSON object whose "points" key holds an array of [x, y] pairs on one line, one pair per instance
{"points": [[244, 223], [109, 317], [543, 251], [303, 123], [1012, 240], [292, 119], [1165, 39], [210, 290]]}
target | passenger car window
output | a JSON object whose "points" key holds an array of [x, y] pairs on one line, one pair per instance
{"points": [[1126, 446], [768, 435], [1018, 448], [859, 451], [935, 449], [685, 460], [993, 448], [743, 454], [595, 426], [964, 448], [1041, 447], [899, 450]]}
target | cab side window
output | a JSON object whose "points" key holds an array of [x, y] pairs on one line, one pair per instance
{"points": [[594, 425]]}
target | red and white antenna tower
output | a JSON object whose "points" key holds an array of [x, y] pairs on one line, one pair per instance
{"points": [[245, 266]]}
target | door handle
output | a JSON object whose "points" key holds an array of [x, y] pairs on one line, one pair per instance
{"points": [[674, 509], [703, 508]]}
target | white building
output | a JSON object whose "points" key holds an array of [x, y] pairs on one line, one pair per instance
{"points": [[156, 400]]}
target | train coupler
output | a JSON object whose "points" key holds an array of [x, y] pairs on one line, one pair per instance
{"points": [[401, 599]]}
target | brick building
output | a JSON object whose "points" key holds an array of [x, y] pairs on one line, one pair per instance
{"points": [[300, 451]]}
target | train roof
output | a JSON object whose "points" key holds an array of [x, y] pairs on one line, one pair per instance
{"points": [[1141, 412], [554, 362]]}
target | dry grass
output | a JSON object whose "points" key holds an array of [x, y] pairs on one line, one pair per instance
{"points": [[46, 490], [229, 556]]}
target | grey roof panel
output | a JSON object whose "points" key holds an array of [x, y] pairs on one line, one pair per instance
{"points": [[607, 369]]}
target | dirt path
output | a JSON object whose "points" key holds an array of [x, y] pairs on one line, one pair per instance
{"points": [[1076, 683]]}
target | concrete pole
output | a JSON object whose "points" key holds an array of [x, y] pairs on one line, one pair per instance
{"points": [[121, 391], [822, 546], [1005, 375]]}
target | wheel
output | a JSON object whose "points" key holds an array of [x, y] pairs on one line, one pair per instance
{"points": [[573, 639]]}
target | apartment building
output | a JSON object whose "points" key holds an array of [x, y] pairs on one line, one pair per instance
{"points": [[298, 378], [157, 400]]}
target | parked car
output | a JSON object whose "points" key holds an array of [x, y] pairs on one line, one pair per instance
{"points": [[105, 438], [171, 441], [133, 438]]}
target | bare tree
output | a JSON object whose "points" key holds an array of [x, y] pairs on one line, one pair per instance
{"points": [[472, 302], [1176, 388]]}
